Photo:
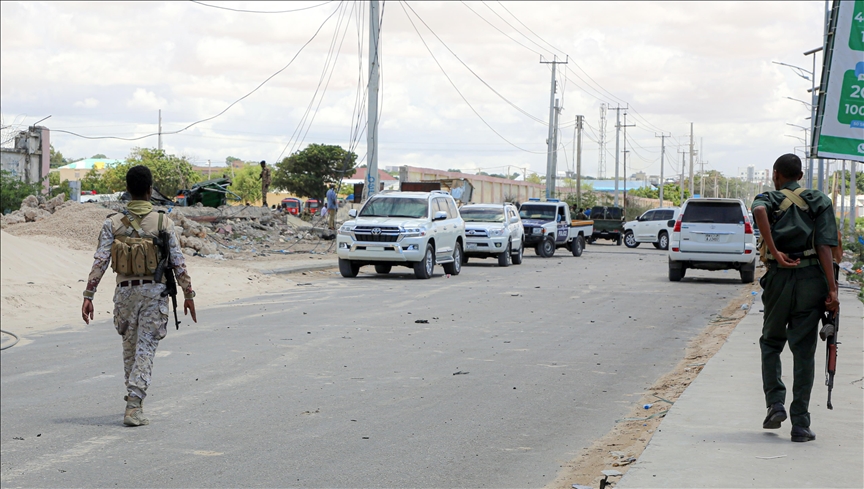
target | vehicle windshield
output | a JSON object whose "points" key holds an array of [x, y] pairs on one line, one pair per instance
{"points": [[610, 213], [535, 211], [479, 214], [714, 212], [291, 203], [396, 207]]}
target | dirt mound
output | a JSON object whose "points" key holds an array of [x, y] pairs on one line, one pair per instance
{"points": [[75, 224]]}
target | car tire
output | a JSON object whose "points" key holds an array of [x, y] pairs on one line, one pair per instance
{"points": [[619, 240], [383, 269], [504, 258], [455, 266], [517, 257], [423, 268], [748, 273], [662, 241], [546, 247], [576, 246], [630, 240], [464, 259], [348, 269], [676, 274], [590, 240]]}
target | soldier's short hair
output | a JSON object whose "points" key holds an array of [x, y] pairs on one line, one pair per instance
{"points": [[788, 165], [139, 179], [263, 162]]}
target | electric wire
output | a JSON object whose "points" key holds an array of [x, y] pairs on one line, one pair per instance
{"points": [[536, 119], [402, 4], [226, 108], [17, 339], [261, 11]]}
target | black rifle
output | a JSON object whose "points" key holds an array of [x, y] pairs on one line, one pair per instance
{"points": [[830, 327], [166, 268]]}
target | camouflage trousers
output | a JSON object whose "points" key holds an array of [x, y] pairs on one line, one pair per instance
{"points": [[141, 318]]}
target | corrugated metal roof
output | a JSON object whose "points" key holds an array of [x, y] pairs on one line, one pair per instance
{"points": [[92, 163]]}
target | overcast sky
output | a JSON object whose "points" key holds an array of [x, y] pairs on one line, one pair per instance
{"points": [[105, 69]]}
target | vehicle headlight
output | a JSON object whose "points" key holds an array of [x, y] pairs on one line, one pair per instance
{"points": [[414, 232], [496, 232], [537, 231], [346, 229]]}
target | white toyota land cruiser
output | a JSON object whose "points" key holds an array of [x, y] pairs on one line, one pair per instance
{"points": [[410, 229], [493, 231]]}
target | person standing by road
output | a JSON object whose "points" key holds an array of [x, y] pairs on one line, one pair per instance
{"points": [[140, 309], [798, 229], [265, 182], [332, 206]]}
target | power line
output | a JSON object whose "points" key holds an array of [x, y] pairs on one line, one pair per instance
{"points": [[499, 30], [537, 119], [402, 4], [261, 11], [226, 108]]}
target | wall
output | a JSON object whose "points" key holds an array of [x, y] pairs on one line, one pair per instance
{"points": [[30, 158]]}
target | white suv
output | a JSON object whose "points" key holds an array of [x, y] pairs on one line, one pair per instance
{"points": [[712, 234], [411, 229], [650, 227], [493, 231]]}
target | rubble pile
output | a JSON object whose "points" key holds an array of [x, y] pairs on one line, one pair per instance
{"points": [[34, 208], [227, 232]]}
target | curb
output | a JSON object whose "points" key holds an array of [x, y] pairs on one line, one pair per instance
{"points": [[301, 268]]}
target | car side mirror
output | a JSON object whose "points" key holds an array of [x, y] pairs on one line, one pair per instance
{"points": [[439, 216], [514, 220], [352, 213], [670, 223]]}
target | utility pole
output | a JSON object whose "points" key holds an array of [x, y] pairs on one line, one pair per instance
{"points": [[160, 130], [550, 149], [726, 195], [579, 161], [625, 126], [683, 166], [601, 160], [209, 170], [552, 178], [701, 176], [662, 160], [853, 208], [371, 186], [843, 198], [691, 160], [617, 147]]}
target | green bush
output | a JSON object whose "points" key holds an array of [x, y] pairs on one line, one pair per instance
{"points": [[13, 191]]}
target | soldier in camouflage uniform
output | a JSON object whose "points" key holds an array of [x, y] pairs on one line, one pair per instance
{"points": [[140, 311], [794, 222], [265, 182]]}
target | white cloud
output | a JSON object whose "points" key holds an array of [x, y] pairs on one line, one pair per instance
{"points": [[105, 68], [145, 99], [87, 103]]}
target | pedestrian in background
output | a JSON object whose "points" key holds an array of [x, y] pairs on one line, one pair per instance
{"points": [[140, 309], [794, 220], [265, 182], [332, 206]]}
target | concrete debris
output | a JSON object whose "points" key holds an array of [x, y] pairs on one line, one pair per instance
{"points": [[240, 232]]}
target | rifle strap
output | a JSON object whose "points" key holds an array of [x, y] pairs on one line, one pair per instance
{"points": [[793, 197]]}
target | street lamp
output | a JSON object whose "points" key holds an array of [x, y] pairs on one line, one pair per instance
{"points": [[809, 106]]}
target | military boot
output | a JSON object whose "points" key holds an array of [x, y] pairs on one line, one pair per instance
{"points": [[134, 412]]}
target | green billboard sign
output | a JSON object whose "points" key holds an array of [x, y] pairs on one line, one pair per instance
{"points": [[840, 115]]}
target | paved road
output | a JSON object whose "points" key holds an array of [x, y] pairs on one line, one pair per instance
{"points": [[335, 384]]}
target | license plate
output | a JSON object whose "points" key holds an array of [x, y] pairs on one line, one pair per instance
{"points": [[374, 248], [712, 237], [472, 246]]}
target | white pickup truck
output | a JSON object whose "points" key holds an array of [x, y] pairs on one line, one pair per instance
{"points": [[548, 226]]}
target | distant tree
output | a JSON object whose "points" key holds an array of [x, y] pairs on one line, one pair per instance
{"points": [[57, 159], [455, 170], [306, 173], [497, 175], [247, 183], [93, 180], [98, 156], [514, 176], [170, 173], [535, 178], [230, 159]]}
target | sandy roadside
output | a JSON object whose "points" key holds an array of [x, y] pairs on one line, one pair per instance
{"points": [[42, 278]]}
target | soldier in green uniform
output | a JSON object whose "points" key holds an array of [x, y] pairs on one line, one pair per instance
{"points": [[140, 309], [798, 230]]}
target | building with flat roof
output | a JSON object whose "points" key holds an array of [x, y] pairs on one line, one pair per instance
{"points": [[79, 169]]}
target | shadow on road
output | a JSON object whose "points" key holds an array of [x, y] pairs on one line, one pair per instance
{"points": [[108, 419]]}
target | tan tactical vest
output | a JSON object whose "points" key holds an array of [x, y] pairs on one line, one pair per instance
{"points": [[134, 255]]}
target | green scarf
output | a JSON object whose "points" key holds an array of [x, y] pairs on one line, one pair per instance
{"points": [[139, 207]]}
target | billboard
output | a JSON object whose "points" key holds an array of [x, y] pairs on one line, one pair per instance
{"points": [[839, 131]]}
